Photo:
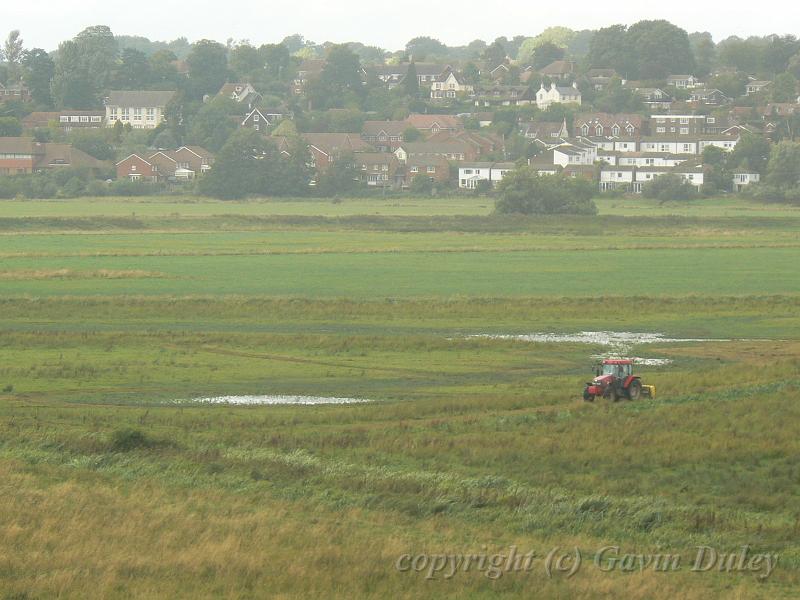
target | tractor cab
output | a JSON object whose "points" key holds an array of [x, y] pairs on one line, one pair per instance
{"points": [[621, 369]]}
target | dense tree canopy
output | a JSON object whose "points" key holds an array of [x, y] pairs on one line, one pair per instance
{"points": [[522, 191]]}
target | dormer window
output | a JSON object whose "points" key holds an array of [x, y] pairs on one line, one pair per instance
{"points": [[598, 130], [585, 129], [615, 130]]}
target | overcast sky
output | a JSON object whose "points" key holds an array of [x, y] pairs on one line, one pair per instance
{"points": [[390, 25]]}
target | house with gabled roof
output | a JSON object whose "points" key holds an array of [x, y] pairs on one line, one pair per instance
{"points": [[555, 94], [559, 70], [756, 86], [449, 87], [544, 131], [683, 82], [600, 124], [260, 119], [385, 136], [453, 150], [431, 124], [601, 78], [327, 148], [243, 93]]}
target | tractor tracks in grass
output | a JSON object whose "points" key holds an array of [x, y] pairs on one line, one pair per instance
{"points": [[308, 361]]}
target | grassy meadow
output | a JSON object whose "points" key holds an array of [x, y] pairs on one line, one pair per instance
{"points": [[115, 313]]}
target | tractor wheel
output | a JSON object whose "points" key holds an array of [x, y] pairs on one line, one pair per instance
{"points": [[587, 397], [635, 390]]}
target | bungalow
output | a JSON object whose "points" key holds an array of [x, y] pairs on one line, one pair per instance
{"points": [[58, 156], [66, 120], [471, 174], [557, 95], [24, 155], [142, 109], [690, 173]]}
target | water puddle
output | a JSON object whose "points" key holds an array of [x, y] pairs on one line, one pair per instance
{"points": [[620, 343], [273, 400]]}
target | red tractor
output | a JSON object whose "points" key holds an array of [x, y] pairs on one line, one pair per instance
{"points": [[615, 380]]}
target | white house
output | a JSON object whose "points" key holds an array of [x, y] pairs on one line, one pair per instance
{"points": [[470, 174], [645, 159], [741, 179], [142, 109], [557, 95], [669, 146], [450, 87], [616, 177], [683, 82], [576, 153]]}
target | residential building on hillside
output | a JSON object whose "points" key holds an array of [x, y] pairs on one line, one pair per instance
{"points": [[546, 97], [471, 174], [435, 168], [757, 86], [558, 70], [183, 164], [654, 98], [261, 119], [601, 78], [504, 95], [327, 148], [432, 124], [544, 131], [385, 136], [310, 68], [141, 109], [66, 120], [455, 150], [243, 93], [24, 155], [683, 82], [14, 91], [600, 124], [450, 87]]}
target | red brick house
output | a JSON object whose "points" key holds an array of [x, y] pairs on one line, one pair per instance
{"points": [[136, 168]]}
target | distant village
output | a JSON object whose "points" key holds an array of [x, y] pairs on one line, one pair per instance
{"points": [[105, 114]]}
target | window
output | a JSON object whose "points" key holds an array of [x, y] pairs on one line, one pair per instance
{"points": [[615, 130], [415, 169], [256, 118], [661, 129], [137, 114], [684, 130], [467, 171], [686, 148], [113, 114], [97, 119], [133, 167], [85, 119], [125, 114], [585, 129], [684, 120], [257, 127], [712, 120], [431, 169], [64, 119]]}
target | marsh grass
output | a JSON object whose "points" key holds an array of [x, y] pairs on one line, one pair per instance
{"points": [[111, 489]]}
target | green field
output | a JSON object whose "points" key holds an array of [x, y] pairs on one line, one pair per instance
{"points": [[115, 313]]}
